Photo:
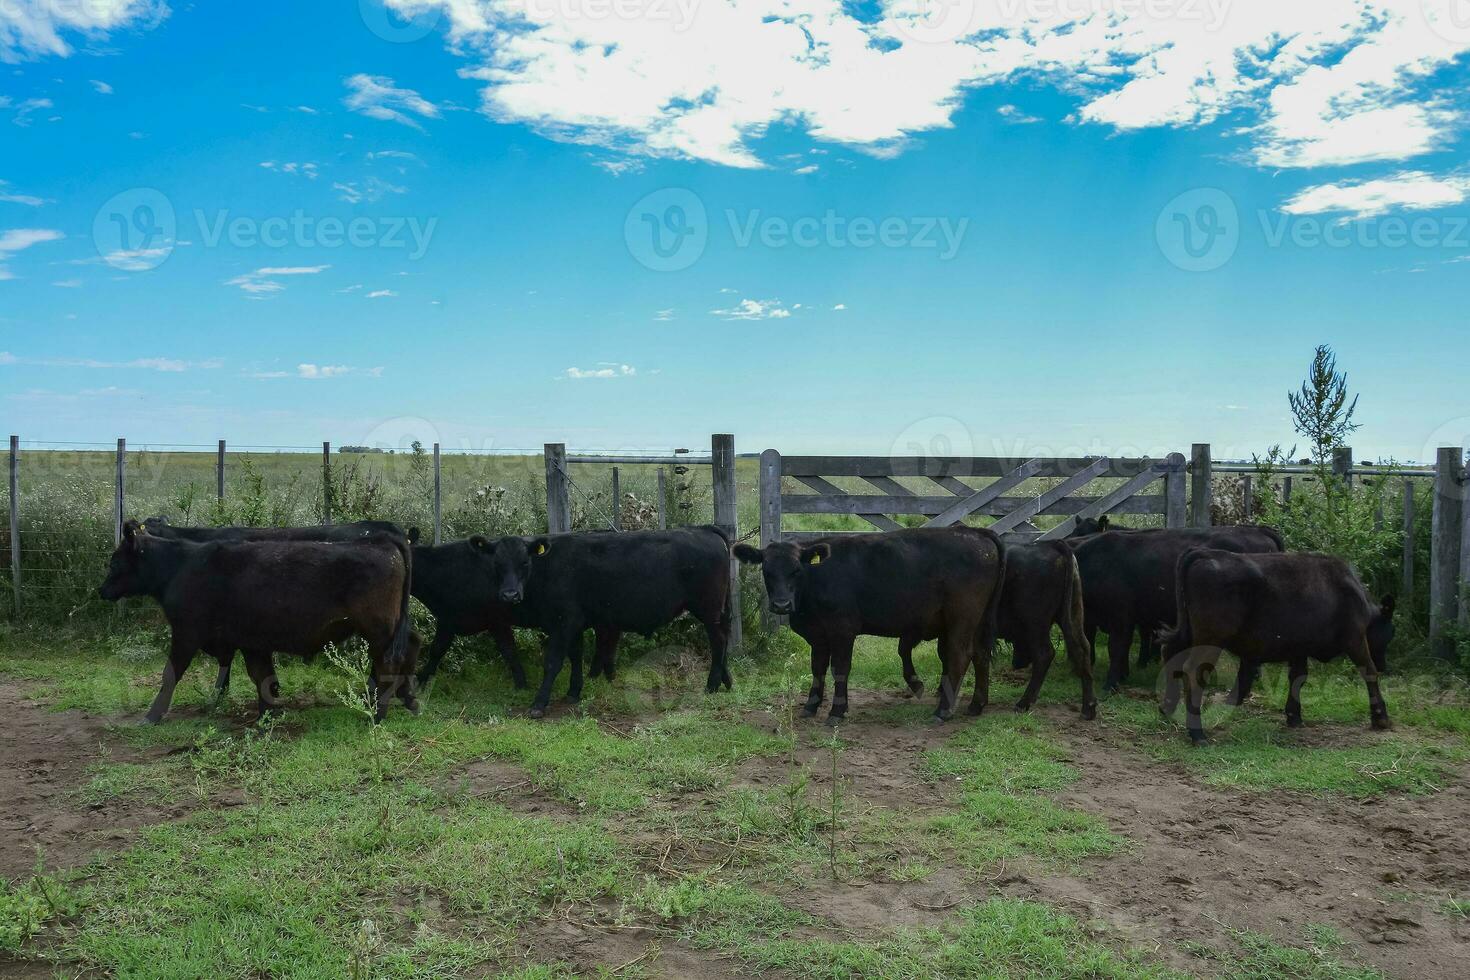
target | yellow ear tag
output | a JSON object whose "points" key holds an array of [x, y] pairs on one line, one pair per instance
{"points": [[816, 559], [540, 548]]}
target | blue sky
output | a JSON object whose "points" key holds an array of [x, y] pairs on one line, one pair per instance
{"points": [[1045, 226]]}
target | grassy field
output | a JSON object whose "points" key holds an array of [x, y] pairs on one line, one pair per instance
{"points": [[655, 831]]}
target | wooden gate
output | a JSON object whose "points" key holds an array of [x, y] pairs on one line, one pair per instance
{"points": [[1055, 485]]}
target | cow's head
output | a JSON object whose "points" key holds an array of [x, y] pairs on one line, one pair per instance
{"points": [[125, 570], [784, 565], [510, 562], [1091, 525], [155, 524], [1380, 633]]}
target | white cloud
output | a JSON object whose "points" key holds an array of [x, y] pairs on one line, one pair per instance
{"points": [[318, 372], [755, 309], [810, 168], [37, 28], [1319, 82], [371, 189], [663, 315], [20, 239], [261, 283], [1013, 114], [168, 365], [1411, 190], [7, 197], [381, 294], [308, 170], [323, 371], [102, 87], [605, 369], [68, 283], [378, 97], [308, 110], [24, 110], [840, 306]]}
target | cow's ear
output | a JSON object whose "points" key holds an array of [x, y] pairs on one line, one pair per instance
{"points": [[747, 554], [1104, 522], [480, 543], [1387, 605], [816, 554], [413, 535], [130, 528], [537, 546]]}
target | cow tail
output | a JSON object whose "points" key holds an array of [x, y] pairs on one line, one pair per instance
{"points": [[1180, 637], [990, 621], [1076, 611], [398, 648]]}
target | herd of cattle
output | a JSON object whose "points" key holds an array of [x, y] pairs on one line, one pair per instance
{"points": [[1186, 593]]}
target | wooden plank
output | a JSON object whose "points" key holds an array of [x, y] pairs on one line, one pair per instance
{"points": [[1342, 464], [1408, 541], [1247, 497], [1103, 505], [951, 467], [1202, 485], [957, 487], [663, 503], [118, 499], [326, 483], [770, 485], [1444, 551], [617, 496], [889, 486], [15, 521], [1286, 490], [843, 503], [1077, 481], [219, 472], [874, 516], [438, 498], [965, 506], [558, 494], [722, 486], [1175, 508], [804, 537]]}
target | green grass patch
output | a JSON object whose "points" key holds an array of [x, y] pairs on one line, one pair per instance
{"points": [[1259, 957]]}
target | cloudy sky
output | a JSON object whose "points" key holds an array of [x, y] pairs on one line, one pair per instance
{"points": [[997, 226]]}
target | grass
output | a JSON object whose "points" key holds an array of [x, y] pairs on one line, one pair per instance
{"points": [[317, 846]]}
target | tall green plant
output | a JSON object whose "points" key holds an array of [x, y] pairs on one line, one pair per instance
{"points": [[1321, 410]]}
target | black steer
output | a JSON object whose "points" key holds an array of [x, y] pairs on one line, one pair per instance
{"points": [[1267, 608], [160, 527], [612, 583], [1128, 581], [264, 596], [915, 584]]}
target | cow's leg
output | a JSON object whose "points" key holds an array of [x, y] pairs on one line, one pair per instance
{"points": [[1296, 677], [1196, 675], [1120, 643], [566, 639], [505, 642], [443, 639], [980, 659], [180, 655], [1148, 645], [225, 658], [956, 651], [841, 667], [717, 629], [1079, 655], [821, 656], [574, 683], [911, 677], [1377, 710], [1245, 679], [261, 667], [1040, 653], [606, 652]]}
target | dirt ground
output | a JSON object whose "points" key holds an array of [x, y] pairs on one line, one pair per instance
{"points": [[1202, 860]]}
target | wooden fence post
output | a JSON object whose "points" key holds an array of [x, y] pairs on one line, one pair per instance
{"points": [[15, 520], [770, 484], [1342, 464], [1408, 588], [1286, 490], [1444, 550], [326, 483], [617, 500], [1175, 509], [727, 516], [1247, 497], [118, 501], [1462, 586], [558, 494], [219, 472], [1203, 486], [438, 499], [663, 517]]}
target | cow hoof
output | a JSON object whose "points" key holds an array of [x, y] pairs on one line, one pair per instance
{"points": [[1022, 706], [711, 686], [1293, 723], [834, 720], [414, 708], [974, 709], [916, 688], [943, 715], [1198, 739], [1383, 724], [149, 722], [538, 712], [1089, 711]]}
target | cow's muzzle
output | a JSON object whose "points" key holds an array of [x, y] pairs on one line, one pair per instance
{"points": [[782, 607], [510, 595]]}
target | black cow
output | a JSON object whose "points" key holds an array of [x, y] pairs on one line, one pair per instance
{"points": [[264, 596], [457, 583], [915, 584], [1042, 588], [160, 527], [1128, 580], [612, 583], [1271, 608]]}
